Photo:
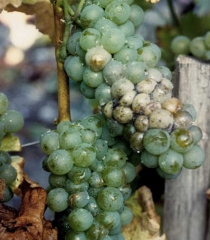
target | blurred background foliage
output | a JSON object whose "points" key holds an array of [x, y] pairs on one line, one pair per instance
{"points": [[28, 73]]}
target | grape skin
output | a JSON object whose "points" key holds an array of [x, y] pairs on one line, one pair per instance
{"points": [[170, 161], [57, 199], [80, 219], [4, 102], [13, 121], [60, 162]]}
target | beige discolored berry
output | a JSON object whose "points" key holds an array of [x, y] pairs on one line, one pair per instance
{"points": [[141, 123], [160, 94], [146, 86], [107, 111], [121, 87], [166, 84], [150, 107], [161, 118], [154, 74], [127, 99], [182, 119], [136, 141], [140, 101], [172, 105], [123, 114], [97, 58]]}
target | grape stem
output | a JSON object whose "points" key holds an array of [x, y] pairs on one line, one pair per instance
{"points": [[79, 8], [74, 15], [62, 31], [30, 144], [173, 14]]}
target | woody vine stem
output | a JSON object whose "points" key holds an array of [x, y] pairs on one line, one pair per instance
{"points": [[64, 15], [62, 28]]}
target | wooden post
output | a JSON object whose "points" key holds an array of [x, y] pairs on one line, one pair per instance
{"points": [[186, 208]]}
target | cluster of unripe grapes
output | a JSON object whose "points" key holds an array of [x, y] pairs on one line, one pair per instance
{"points": [[89, 179], [199, 47], [120, 69], [92, 161], [11, 121]]}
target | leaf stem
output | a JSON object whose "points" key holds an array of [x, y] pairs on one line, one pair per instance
{"points": [[60, 53]]}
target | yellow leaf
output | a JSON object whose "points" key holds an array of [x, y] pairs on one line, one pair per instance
{"points": [[43, 12], [146, 223], [34, 1], [4, 3], [10, 143], [18, 164]]}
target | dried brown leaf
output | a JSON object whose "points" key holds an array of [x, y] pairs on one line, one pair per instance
{"points": [[208, 194], [7, 216], [30, 223], [146, 223], [2, 189], [7, 213], [43, 12], [49, 233]]}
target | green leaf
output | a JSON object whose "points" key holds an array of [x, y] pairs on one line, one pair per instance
{"points": [[193, 25], [10, 143], [164, 36]]}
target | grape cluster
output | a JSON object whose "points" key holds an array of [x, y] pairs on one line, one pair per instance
{"points": [[199, 47], [89, 179], [10, 122], [120, 69]]}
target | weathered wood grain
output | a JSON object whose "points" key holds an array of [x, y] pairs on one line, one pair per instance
{"points": [[186, 209]]}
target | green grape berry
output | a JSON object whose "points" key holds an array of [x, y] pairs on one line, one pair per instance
{"points": [[7, 195], [49, 142], [57, 181], [149, 160], [79, 174], [78, 200], [4, 102], [170, 161], [83, 155], [96, 231], [156, 141], [73, 235], [5, 160], [180, 45], [13, 121], [9, 174], [57, 199], [109, 220], [110, 199], [80, 219], [194, 158], [181, 140], [113, 177], [126, 216], [60, 162], [167, 176]]}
